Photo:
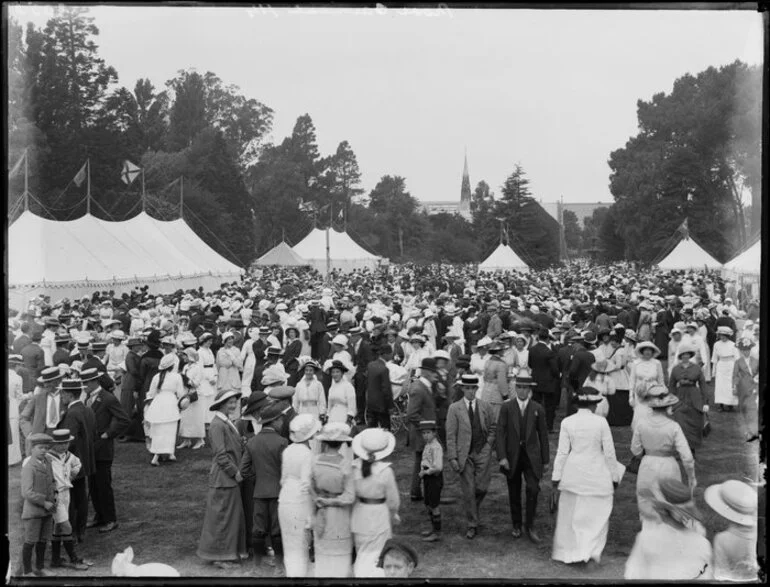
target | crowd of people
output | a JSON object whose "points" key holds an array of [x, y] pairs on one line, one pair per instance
{"points": [[293, 382]]}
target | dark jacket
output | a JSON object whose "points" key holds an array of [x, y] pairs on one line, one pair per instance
{"points": [[148, 368], [535, 435], [81, 423], [420, 406], [262, 458], [545, 368], [110, 418], [580, 367], [37, 487], [379, 395]]}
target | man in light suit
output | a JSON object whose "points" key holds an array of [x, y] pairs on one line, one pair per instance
{"points": [[470, 435], [421, 406], [44, 411], [522, 447]]}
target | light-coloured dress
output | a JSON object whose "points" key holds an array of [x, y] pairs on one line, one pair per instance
{"points": [[295, 509], [192, 422], [342, 401], [15, 389], [208, 387], [249, 362], [661, 439], [309, 397], [586, 467], [228, 366], [332, 479], [370, 522], [644, 373], [662, 552], [162, 414], [478, 364], [723, 360], [735, 554]]}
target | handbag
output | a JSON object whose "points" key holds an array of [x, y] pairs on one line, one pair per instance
{"points": [[633, 464], [554, 505], [706, 425], [193, 396]]}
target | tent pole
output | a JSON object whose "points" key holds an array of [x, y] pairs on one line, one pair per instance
{"points": [[88, 186], [328, 256], [26, 180], [181, 197], [143, 193]]}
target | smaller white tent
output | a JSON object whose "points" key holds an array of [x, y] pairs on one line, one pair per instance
{"points": [[746, 263], [503, 258], [688, 255], [281, 254], [344, 252]]}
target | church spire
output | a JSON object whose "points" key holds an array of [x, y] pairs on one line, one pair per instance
{"points": [[465, 191]]}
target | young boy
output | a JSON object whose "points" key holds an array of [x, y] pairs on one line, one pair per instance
{"points": [[432, 479], [38, 489], [66, 467]]}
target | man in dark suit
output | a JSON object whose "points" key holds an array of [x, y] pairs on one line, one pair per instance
{"points": [[34, 360], [522, 448], [80, 421], [317, 322], [96, 361], [397, 349], [111, 421], [260, 346], [580, 366], [421, 406], [379, 395], [24, 338], [62, 354], [362, 355], [470, 436], [545, 372]]}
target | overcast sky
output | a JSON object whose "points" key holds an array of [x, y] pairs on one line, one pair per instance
{"points": [[555, 91]]}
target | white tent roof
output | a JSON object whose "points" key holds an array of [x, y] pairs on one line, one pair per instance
{"points": [[344, 252], [281, 254], [688, 255], [503, 258], [747, 262], [92, 250]]}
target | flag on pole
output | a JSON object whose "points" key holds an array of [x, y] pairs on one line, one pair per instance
{"points": [[81, 176], [684, 229], [129, 172], [16, 167]]}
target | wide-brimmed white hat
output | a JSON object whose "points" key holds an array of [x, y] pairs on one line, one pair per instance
{"points": [[335, 432], [167, 362], [725, 330], [484, 342], [340, 339], [374, 444], [646, 344], [733, 500], [302, 427], [686, 348]]}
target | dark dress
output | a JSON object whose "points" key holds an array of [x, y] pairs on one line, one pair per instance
{"points": [[689, 385]]}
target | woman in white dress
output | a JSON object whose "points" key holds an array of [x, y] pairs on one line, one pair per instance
{"points": [[658, 439], [208, 386], [15, 391], [599, 378], [377, 499], [585, 472], [341, 354], [162, 415], [249, 361], [309, 397], [192, 423], [673, 346], [228, 365], [723, 360], [295, 507], [418, 353], [646, 371], [342, 395], [479, 362]]}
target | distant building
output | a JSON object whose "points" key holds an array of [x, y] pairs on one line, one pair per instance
{"points": [[580, 209], [463, 207]]}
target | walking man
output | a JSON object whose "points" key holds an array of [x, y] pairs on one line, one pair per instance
{"points": [[421, 406]]}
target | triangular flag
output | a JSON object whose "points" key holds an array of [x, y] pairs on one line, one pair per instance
{"points": [[16, 167], [129, 172], [81, 175]]}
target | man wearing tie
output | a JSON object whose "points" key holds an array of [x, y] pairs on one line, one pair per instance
{"points": [[545, 371], [470, 434], [522, 447], [111, 421], [44, 411]]}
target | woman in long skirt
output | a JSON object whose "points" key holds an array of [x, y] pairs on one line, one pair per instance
{"points": [[723, 359], [295, 509], [377, 499], [192, 425], [646, 371], [15, 388], [658, 439], [162, 415], [249, 361], [620, 413], [223, 538], [333, 491], [228, 365], [309, 397], [585, 470], [689, 385], [208, 387]]}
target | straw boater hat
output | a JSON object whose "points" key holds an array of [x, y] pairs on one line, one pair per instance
{"points": [[74, 386], [62, 436], [119, 334], [374, 444], [303, 427], [15, 360], [525, 382], [222, 397], [733, 500], [335, 432], [646, 344], [685, 349], [724, 330], [468, 380], [49, 375], [427, 425], [91, 374]]}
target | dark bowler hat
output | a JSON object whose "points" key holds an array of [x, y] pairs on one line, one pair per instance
{"points": [[429, 364], [255, 402]]}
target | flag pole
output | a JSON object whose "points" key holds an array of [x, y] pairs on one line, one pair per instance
{"points": [[181, 197], [88, 186], [26, 181], [143, 201], [328, 256]]}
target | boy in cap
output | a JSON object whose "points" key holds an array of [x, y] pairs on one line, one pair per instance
{"points": [[398, 560], [38, 489], [66, 467], [432, 465]]}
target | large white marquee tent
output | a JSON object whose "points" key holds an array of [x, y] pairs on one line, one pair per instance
{"points": [[503, 258], [344, 252], [746, 263], [688, 255], [75, 258], [281, 254]]}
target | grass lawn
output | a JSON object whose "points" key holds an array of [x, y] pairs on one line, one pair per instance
{"points": [[160, 512]]}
